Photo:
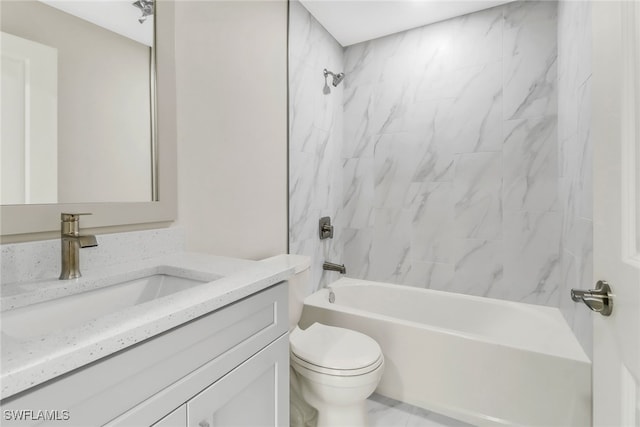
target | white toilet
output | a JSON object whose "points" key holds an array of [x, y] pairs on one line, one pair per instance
{"points": [[335, 369]]}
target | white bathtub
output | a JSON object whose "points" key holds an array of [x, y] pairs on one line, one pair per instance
{"points": [[480, 360]]}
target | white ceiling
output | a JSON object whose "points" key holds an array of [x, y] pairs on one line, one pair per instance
{"points": [[355, 21], [119, 16]]}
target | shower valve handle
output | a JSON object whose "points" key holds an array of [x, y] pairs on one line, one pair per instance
{"points": [[325, 228]]}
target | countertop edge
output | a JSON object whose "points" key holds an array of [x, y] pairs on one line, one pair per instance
{"points": [[108, 335]]}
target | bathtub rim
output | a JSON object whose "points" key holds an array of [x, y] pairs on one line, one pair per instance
{"points": [[320, 299]]}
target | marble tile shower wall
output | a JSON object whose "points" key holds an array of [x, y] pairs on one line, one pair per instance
{"points": [[315, 141], [450, 156], [575, 166]]}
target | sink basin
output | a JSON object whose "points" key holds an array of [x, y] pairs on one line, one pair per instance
{"points": [[58, 314]]}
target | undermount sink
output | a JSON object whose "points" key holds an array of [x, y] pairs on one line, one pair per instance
{"points": [[61, 313]]}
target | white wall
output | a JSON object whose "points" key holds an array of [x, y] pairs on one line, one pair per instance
{"points": [[231, 84]]}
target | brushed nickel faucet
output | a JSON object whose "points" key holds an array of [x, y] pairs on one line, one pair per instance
{"points": [[71, 241]]}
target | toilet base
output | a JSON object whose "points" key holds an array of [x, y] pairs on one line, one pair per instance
{"points": [[340, 406], [301, 414], [335, 416]]}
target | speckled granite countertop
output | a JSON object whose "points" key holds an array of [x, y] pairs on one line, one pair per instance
{"points": [[30, 360]]}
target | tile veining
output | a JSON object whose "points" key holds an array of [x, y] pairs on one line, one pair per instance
{"points": [[462, 159]]}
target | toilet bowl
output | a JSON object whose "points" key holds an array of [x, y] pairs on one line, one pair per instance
{"points": [[333, 370], [337, 370]]}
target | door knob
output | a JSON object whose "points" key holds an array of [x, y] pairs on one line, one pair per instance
{"points": [[599, 299]]}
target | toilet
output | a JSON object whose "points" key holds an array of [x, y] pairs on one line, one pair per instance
{"points": [[333, 369]]}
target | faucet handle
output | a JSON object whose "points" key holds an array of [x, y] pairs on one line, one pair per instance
{"points": [[66, 217], [70, 223]]}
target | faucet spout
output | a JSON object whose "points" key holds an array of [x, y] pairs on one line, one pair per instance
{"points": [[87, 241], [329, 266]]}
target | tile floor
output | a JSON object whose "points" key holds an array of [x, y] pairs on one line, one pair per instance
{"points": [[385, 412]]}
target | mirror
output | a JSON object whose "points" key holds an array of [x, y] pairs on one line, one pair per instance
{"points": [[23, 222], [78, 102]]}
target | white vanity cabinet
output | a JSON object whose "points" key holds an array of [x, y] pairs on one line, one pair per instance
{"points": [[229, 367], [256, 393], [177, 418], [250, 395]]}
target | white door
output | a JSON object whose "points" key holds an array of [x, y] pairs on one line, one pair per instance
{"points": [[616, 136], [29, 116]]}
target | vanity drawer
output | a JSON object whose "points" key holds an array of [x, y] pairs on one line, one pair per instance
{"points": [[100, 392], [261, 383]]}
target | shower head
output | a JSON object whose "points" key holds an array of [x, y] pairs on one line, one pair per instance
{"points": [[337, 78], [146, 7]]}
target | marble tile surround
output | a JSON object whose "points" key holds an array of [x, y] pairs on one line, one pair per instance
{"points": [[40, 260], [451, 156], [575, 162], [315, 141], [460, 154]]}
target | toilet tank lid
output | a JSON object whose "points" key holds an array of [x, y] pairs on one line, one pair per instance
{"points": [[334, 348]]}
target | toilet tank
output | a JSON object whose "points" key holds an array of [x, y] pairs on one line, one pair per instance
{"points": [[299, 284]]}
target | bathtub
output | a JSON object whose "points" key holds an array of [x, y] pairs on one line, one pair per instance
{"points": [[480, 360]]}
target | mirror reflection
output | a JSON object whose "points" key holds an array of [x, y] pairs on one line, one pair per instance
{"points": [[77, 102]]}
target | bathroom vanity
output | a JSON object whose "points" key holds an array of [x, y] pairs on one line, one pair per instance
{"points": [[215, 353]]}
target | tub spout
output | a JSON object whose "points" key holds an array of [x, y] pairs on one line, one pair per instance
{"points": [[329, 266]]}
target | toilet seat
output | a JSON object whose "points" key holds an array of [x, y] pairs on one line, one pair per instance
{"points": [[336, 372], [334, 351]]}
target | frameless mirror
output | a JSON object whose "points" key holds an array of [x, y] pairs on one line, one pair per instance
{"points": [[78, 102]]}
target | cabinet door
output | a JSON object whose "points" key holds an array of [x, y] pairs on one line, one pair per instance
{"points": [[177, 418], [256, 393]]}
